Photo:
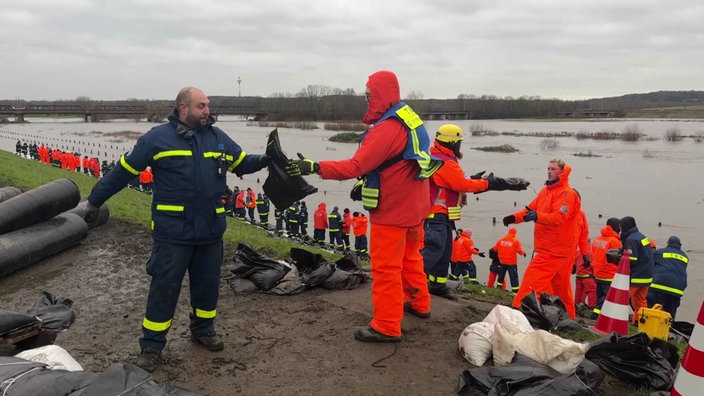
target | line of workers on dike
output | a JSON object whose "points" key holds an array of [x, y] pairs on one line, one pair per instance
{"points": [[292, 222], [64, 159]]}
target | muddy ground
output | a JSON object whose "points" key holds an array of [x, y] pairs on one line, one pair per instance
{"points": [[274, 345]]}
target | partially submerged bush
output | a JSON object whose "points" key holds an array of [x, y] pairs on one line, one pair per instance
{"points": [[632, 133], [549, 144], [587, 154], [698, 136], [504, 148], [346, 137], [673, 135]]}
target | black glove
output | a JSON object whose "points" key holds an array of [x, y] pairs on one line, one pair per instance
{"points": [[587, 261], [302, 166], [525, 254], [502, 184], [481, 254], [90, 213], [531, 215], [510, 219], [478, 175], [574, 269]]}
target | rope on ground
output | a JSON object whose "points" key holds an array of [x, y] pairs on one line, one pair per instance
{"points": [[377, 365]]}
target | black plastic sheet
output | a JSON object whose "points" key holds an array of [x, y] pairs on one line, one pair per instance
{"points": [[524, 376], [283, 190], [260, 270], [636, 359], [547, 312], [314, 268]]}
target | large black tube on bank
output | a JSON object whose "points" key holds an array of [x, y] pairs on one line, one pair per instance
{"points": [[9, 192], [38, 204], [24, 247], [103, 213]]}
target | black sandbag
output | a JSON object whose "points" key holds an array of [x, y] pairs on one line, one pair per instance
{"points": [[128, 379], [20, 377], [56, 314], [281, 189], [24, 247], [262, 271], [10, 321], [38, 205], [546, 312], [632, 359], [9, 192], [314, 268]]}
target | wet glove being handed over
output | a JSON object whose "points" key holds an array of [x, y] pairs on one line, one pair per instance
{"points": [[302, 166], [502, 184], [481, 254]]}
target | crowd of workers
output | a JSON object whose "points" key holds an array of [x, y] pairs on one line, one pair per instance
{"points": [[68, 160], [292, 222], [413, 190]]}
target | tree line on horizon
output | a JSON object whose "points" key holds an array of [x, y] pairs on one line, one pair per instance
{"points": [[316, 102]]}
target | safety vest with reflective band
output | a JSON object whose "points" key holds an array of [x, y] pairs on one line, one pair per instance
{"points": [[334, 221], [641, 257], [446, 197], [187, 202], [670, 271], [417, 149]]}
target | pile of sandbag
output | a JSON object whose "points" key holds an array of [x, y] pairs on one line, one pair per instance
{"points": [[252, 271], [41, 222]]}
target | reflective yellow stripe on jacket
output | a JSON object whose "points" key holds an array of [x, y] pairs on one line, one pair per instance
{"points": [[670, 255], [667, 289]]}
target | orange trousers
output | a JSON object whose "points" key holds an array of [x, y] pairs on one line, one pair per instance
{"points": [[638, 299], [550, 274], [397, 275]]}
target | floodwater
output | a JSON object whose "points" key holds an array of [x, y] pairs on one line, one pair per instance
{"points": [[657, 182]]}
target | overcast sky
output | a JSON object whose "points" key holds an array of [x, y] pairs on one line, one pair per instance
{"points": [[149, 49]]}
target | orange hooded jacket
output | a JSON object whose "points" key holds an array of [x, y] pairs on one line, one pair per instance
{"points": [[451, 177], [508, 246], [359, 225], [463, 248], [608, 239], [320, 217], [557, 206]]}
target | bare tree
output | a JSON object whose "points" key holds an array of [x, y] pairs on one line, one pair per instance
{"points": [[415, 95]]}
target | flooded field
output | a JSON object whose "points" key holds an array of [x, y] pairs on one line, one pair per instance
{"points": [[656, 181]]}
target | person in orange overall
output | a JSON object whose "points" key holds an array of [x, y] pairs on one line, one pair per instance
{"points": [[146, 179], [359, 227], [507, 248], [251, 201], [320, 223], [395, 161], [603, 270], [346, 226], [462, 251], [585, 287], [554, 212], [240, 205]]}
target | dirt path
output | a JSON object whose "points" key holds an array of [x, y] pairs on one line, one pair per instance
{"points": [[274, 345]]}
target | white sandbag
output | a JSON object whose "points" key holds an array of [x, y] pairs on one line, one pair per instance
{"points": [[52, 355], [511, 319], [552, 350], [475, 342]]}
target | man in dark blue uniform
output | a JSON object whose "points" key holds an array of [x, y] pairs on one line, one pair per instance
{"points": [[670, 276], [190, 159]]}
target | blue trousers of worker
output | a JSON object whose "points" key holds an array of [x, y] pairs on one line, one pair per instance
{"points": [[360, 244], [336, 240], [669, 302], [346, 240], [465, 268], [167, 266], [512, 274], [319, 235], [437, 250], [304, 229], [279, 226]]}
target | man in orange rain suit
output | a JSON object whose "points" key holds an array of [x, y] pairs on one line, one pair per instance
{"points": [[320, 223], [603, 270], [462, 251], [240, 205], [554, 212], [508, 247], [447, 188], [146, 179], [585, 287], [359, 227], [395, 161]]}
